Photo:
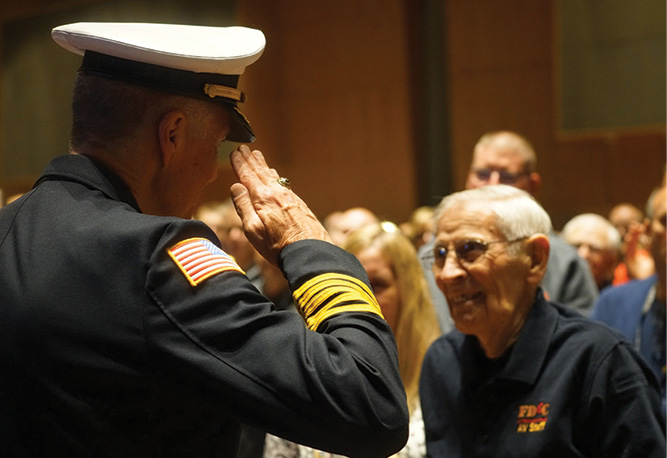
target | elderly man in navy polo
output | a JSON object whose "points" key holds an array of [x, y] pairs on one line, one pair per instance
{"points": [[522, 376]]}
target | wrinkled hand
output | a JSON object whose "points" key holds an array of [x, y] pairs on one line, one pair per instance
{"points": [[273, 216]]}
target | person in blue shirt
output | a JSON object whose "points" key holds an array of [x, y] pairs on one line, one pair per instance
{"points": [[637, 308]]}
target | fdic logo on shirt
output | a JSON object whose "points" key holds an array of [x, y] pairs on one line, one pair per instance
{"points": [[532, 418]]}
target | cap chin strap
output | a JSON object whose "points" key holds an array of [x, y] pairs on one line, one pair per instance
{"points": [[216, 90]]}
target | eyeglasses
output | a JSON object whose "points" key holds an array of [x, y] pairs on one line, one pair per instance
{"points": [[467, 251], [504, 176]]}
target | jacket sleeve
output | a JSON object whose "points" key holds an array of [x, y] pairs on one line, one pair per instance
{"points": [[331, 382], [624, 404]]}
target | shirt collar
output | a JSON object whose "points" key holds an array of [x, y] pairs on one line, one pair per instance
{"points": [[91, 173], [523, 361], [530, 349]]}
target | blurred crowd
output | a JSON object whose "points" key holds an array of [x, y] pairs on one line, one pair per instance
{"points": [[607, 268], [593, 260]]}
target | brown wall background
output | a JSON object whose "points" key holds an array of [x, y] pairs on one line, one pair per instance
{"points": [[333, 103], [502, 59], [329, 101]]}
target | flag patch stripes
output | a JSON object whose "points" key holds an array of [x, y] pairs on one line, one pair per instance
{"points": [[199, 259]]}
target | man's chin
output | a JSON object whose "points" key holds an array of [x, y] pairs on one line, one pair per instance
{"points": [[464, 320]]}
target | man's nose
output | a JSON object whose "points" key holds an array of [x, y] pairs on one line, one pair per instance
{"points": [[583, 251], [494, 178], [450, 272]]}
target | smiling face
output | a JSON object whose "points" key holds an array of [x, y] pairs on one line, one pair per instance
{"points": [[489, 297]]}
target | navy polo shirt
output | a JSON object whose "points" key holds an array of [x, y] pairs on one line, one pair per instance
{"points": [[568, 387]]}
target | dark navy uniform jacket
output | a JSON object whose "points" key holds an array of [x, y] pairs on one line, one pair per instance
{"points": [[113, 345], [633, 310], [568, 387]]}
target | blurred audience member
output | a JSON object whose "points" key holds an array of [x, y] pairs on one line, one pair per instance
{"points": [[504, 158], [635, 262], [330, 223], [398, 283], [419, 227], [212, 214], [399, 286], [637, 308], [508, 158], [339, 224], [625, 215], [598, 242]]}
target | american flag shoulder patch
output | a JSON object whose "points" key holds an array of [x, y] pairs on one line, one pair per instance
{"points": [[199, 259]]}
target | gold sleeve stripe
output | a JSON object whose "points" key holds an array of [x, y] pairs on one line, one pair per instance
{"points": [[330, 294]]}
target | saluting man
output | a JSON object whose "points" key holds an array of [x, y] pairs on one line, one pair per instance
{"points": [[125, 330]]}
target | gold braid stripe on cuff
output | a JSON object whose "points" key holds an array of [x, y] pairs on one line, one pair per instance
{"points": [[330, 294]]}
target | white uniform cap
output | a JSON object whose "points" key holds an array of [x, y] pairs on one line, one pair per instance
{"points": [[197, 61]]}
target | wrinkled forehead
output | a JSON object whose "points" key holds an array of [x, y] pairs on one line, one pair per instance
{"points": [[467, 219], [498, 158], [591, 234]]}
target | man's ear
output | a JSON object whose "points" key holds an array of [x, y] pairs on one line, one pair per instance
{"points": [[535, 183], [171, 132], [538, 250]]}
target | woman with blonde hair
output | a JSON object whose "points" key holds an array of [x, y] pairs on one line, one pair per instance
{"points": [[400, 288], [399, 285]]}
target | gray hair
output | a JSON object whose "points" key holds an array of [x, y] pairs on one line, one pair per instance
{"points": [[518, 213], [112, 113], [587, 220]]}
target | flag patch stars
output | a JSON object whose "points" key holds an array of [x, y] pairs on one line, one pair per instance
{"points": [[199, 259]]}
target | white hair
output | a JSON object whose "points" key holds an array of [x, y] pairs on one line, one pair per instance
{"points": [[586, 221], [518, 213]]}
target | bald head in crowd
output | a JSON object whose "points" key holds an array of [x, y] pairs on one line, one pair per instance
{"points": [[598, 242], [504, 157], [341, 224], [624, 215]]}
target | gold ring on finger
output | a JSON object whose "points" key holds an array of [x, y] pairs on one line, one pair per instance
{"points": [[284, 182]]}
